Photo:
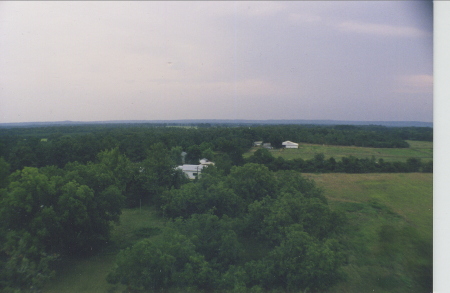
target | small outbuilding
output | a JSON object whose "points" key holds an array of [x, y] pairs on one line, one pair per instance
{"points": [[290, 145], [257, 143]]}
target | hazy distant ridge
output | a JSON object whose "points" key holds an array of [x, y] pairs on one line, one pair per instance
{"points": [[226, 121]]}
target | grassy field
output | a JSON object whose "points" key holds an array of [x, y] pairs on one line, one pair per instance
{"points": [[417, 149], [407, 194], [389, 235], [391, 226]]}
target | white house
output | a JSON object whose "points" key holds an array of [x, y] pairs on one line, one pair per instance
{"points": [[257, 143], [290, 145], [194, 171]]}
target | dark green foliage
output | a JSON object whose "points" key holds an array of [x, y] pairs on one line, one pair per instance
{"points": [[348, 164], [194, 153], [52, 211], [4, 173], [143, 181], [270, 219], [229, 196], [208, 154], [300, 262], [243, 227], [252, 182], [147, 232], [292, 182], [214, 238], [262, 156], [193, 198], [223, 163], [413, 164], [284, 213], [62, 144], [23, 265], [175, 155], [169, 261], [43, 214], [63, 216]]}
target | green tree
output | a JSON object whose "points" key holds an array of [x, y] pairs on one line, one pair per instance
{"points": [[213, 237], [223, 163], [413, 164], [117, 166], [24, 266], [25, 226], [194, 153], [303, 263], [169, 261], [299, 263], [262, 156], [22, 155], [42, 216], [157, 173], [196, 198], [208, 154], [175, 155], [252, 182], [4, 173]]}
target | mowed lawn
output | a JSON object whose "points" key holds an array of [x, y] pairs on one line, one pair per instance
{"points": [[417, 149]]}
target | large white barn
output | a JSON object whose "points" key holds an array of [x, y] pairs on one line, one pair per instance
{"points": [[290, 145]]}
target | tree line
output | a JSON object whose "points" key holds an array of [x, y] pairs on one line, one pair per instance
{"points": [[349, 164], [42, 146]]}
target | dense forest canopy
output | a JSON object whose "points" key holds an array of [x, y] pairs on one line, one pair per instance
{"points": [[62, 189], [42, 146], [203, 247]]}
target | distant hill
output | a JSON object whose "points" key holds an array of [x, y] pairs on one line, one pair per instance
{"points": [[224, 122]]}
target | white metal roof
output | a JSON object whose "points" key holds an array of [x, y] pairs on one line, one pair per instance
{"points": [[287, 142], [191, 168]]}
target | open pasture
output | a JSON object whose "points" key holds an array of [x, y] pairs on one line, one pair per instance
{"points": [[390, 229], [418, 149], [409, 195]]}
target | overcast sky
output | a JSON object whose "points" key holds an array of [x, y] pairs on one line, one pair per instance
{"points": [[93, 61]]}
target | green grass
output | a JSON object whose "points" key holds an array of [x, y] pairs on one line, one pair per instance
{"points": [[408, 194], [417, 149], [136, 224], [88, 275], [402, 205]]}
